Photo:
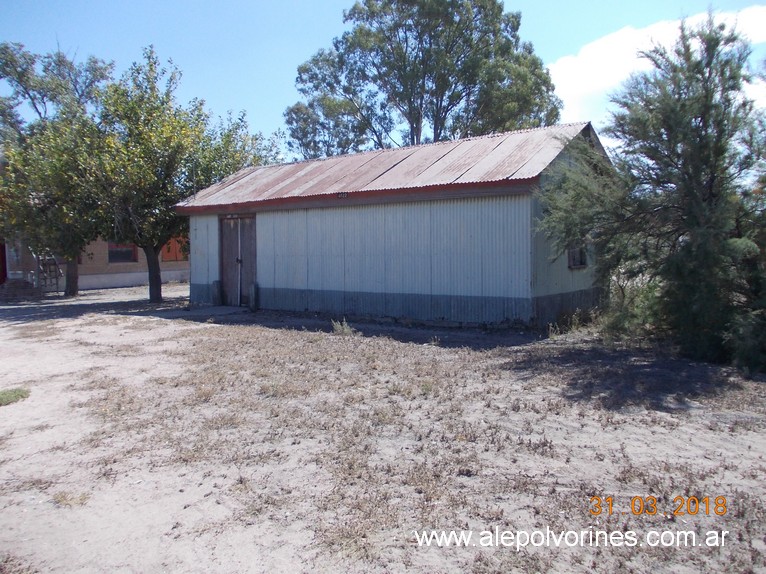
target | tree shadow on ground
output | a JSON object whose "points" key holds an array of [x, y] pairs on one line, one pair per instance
{"points": [[617, 378], [61, 308], [107, 302], [472, 337], [591, 372]]}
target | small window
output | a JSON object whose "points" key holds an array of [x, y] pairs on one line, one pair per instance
{"points": [[176, 250], [578, 257], [122, 253]]}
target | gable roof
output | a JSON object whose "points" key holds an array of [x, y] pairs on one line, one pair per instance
{"points": [[492, 159]]}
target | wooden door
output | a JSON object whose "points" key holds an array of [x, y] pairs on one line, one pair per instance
{"points": [[237, 260], [230, 261], [247, 254]]}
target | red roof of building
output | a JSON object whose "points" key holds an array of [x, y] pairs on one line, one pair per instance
{"points": [[474, 162]]}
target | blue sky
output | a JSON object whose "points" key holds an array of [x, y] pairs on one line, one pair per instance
{"points": [[239, 55]]}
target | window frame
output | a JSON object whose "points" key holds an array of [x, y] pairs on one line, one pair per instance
{"points": [[114, 247], [175, 251], [577, 257]]}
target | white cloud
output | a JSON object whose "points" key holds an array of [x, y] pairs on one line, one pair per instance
{"points": [[584, 81]]}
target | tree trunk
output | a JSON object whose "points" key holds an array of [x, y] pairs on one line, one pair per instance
{"points": [[155, 275], [72, 286]]}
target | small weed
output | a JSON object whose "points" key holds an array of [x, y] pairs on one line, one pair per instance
{"points": [[70, 499], [204, 393], [9, 396], [342, 328], [577, 320], [542, 446], [259, 504], [224, 421], [554, 330]]}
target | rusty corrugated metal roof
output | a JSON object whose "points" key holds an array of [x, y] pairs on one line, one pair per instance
{"points": [[496, 158]]}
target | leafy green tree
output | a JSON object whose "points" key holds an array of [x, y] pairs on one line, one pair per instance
{"points": [[53, 191], [344, 111], [438, 69], [160, 152], [326, 126], [49, 193], [677, 221], [151, 138]]}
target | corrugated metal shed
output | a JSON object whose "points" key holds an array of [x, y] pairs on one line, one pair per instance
{"points": [[511, 156]]}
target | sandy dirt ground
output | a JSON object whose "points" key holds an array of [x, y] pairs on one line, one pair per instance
{"points": [[161, 439]]}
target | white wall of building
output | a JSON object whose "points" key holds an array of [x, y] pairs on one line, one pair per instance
{"points": [[450, 255]]}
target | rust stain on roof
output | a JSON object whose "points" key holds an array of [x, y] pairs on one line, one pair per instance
{"points": [[494, 158]]}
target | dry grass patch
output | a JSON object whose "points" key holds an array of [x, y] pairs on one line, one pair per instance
{"points": [[69, 499], [40, 330], [10, 564], [368, 438]]}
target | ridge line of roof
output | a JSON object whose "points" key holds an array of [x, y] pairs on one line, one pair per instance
{"points": [[440, 142]]}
